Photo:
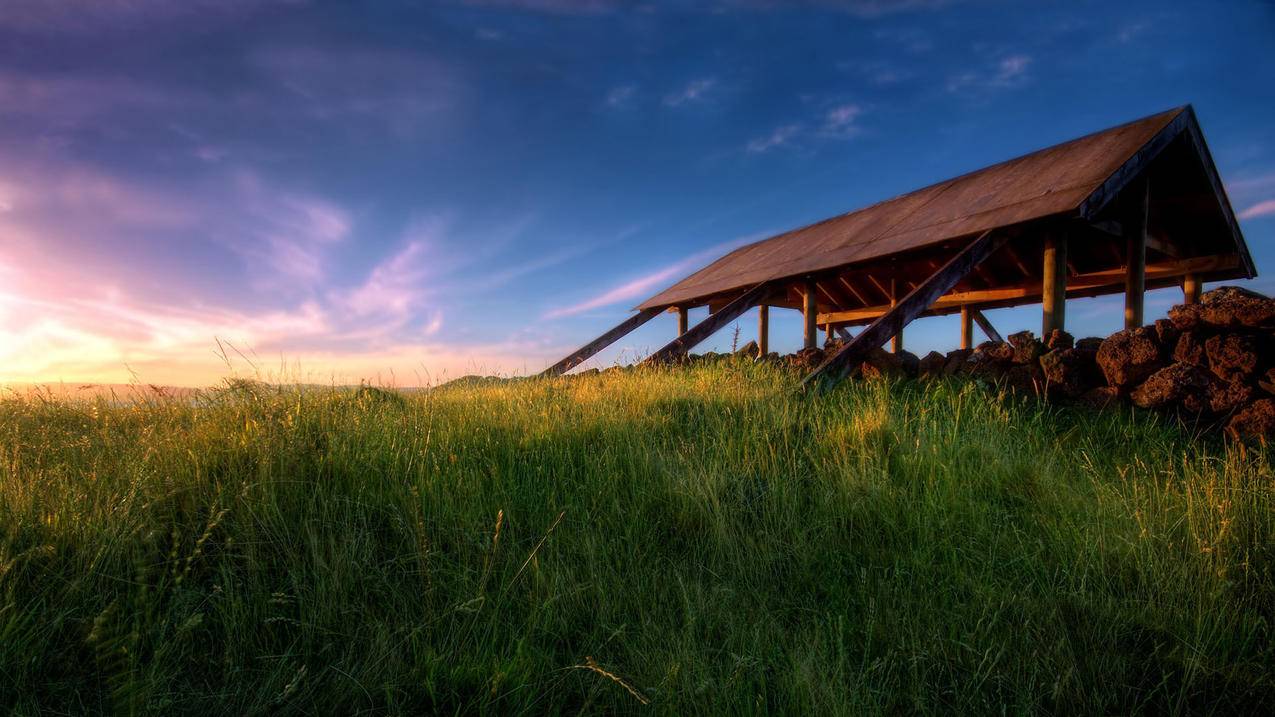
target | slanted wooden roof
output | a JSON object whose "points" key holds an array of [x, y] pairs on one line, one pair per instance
{"points": [[1074, 180]]}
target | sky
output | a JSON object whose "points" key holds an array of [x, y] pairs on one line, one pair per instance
{"points": [[409, 192]]}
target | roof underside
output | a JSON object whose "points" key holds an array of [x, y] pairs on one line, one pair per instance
{"points": [[1060, 181]]}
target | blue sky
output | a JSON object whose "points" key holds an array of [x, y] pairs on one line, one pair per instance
{"points": [[412, 191]]}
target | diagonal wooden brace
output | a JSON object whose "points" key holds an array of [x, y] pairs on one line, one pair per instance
{"points": [[697, 333], [913, 305], [584, 352], [988, 330]]}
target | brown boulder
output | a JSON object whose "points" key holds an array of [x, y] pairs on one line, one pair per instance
{"points": [[1190, 349], [1267, 381], [880, 363], [1089, 343], [1070, 372], [1233, 307], [931, 366], [1166, 334], [995, 351], [748, 350], [1058, 339], [910, 363], [1027, 379], [1254, 421], [806, 359], [1027, 349], [1100, 397], [1232, 356], [1128, 357], [956, 361], [1170, 385], [1225, 397]]}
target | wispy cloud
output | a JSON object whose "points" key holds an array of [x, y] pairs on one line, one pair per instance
{"points": [[694, 91], [620, 96], [778, 137], [1261, 209], [840, 121], [1008, 72], [645, 285]]}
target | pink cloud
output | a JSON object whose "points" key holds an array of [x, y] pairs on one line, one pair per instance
{"points": [[1261, 209]]}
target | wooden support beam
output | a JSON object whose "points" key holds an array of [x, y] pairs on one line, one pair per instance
{"points": [[763, 330], [988, 330], [728, 313], [584, 352], [1135, 284], [1054, 284], [809, 312], [896, 341], [1191, 289], [967, 327], [910, 307], [683, 319], [850, 288], [844, 333]]}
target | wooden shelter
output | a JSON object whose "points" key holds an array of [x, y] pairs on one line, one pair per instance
{"points": [[1129, 208]]}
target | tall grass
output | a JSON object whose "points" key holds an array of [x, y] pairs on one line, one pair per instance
{"points": [[678, 540]]}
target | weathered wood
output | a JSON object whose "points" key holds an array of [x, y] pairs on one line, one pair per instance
{"points": [[1054, 284], [683, 319], [583, 353], [697, 333], [967, 327], [988, 330], [809, 311], [896, 341], [912, 305], [844, 333], [1135, 283], [1095, 283], [763, 330], [1190, 289]]}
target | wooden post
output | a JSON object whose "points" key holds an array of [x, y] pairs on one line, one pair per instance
{"points": [[1191, 289], [827, 334], [809, 311], [1135, 228], [896, 341], [584, 352], [967, 327], [683, 319], [716, 320], [763, 330], [1053, 300]]}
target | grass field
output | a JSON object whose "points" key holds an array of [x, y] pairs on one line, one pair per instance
{"points": [[680, 541]]}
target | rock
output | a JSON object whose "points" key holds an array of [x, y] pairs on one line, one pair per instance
{"points": [[1100, 397], [1166, 334], [1186, 317], [1170, 385], [1070, 372], [1225, 397], [1232, 356], [1058, 339], [1190, 348], [1233, 307], [748, 350], [806, 359], [931, 366], [956, 361], [1089, 343], [1254, 421], [1267, 382], [879, 364], [910, 363], [1128, 357], [1027, 349], [1027, 379], [995, 351]]}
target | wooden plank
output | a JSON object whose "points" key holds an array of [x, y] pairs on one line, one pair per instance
{"points": [[850, 288], [583, 353], [680, 345], [988, 330], [1091, 284], [763, 330], [1054, 284], [1135, 283], [844, 333], [809, 310], [683, 319], [1196, 137], [912, 305], [1134, 167], [896, 341]]}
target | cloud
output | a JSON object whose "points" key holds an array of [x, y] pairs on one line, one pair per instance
{"points": [[778, 137], [1008, 72], [645, 285], [88, 16], [840, 120], [620, 96], [694, 91], [1261, 209], [552, 7]]}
